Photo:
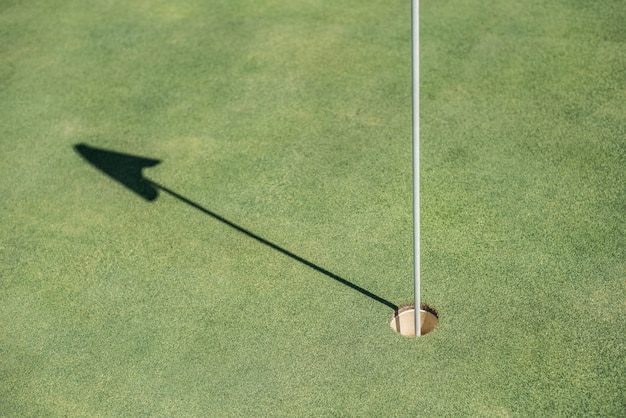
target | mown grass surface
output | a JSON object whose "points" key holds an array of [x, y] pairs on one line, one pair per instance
{"points": [[292, 120]]}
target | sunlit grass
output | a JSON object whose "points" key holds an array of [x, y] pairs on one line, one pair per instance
{"points": [[292, 121]]}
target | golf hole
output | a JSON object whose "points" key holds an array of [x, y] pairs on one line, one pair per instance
{"points": [[403, 320]]}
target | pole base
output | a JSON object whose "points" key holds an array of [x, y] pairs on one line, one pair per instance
{"points": [[403, 320]]}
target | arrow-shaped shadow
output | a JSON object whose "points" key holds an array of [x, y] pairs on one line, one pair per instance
{"points": [[127, 170]]}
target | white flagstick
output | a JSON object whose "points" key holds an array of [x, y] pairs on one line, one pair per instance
{"points": [[416, 157]]}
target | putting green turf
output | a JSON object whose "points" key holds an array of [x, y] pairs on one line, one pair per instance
{"points": [[291, 119]]}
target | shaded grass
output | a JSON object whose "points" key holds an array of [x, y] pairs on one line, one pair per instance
{"points": [[292, 119]]}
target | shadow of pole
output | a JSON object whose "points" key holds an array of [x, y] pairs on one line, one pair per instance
{"points": [[127, 170], [275, 247]]}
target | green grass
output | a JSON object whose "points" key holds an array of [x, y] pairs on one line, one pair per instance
{"points": [[292, 119]]}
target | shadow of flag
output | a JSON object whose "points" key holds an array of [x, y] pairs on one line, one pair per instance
{"points": [[127, 170], [124, 168]]}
